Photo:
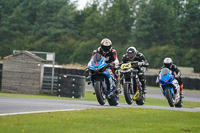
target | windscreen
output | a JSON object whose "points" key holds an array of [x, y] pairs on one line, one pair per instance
{"points": [[97, 57], [164, 71]]}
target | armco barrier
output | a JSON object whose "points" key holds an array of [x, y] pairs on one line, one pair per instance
{"points": [[151, 80], [188, 82], [191, 83], [79, 72], [71, 86], [1, 67]]}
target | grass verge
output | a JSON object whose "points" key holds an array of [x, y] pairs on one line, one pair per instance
{"points": [[109, 120]]}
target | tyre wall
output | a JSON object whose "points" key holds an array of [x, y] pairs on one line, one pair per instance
{"points": [[71, 86]]}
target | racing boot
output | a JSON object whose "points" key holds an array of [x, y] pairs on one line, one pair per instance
{"points": [[112, 89], [144, 87], [118, 87], [110, 93]]}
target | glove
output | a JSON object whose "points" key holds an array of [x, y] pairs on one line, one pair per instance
{"points": [[107, 59], [111, 65], [140, 63], [177, 76], [157, 81], [87, 72]]}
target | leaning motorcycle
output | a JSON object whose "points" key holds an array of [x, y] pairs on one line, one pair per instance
{"points": [[102, 80], [170, 88], [131, 84]]}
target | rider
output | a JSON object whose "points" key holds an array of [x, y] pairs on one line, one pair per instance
{"points": [[110, 54], [133, 55], [168, 63]]}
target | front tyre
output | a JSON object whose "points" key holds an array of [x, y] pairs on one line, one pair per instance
{"points": [[128, 93], [170, 98], [99, 93]]}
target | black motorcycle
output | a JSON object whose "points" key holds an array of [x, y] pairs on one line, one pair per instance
{"points": [[131, 84]]}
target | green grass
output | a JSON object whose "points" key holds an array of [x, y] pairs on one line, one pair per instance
{"points": [[90, 97], [110, 120]]}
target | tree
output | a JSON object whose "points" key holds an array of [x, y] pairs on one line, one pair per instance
{"points": [[156, 23], [192, 59], [117, 21], [41, 25], [156, 54], [190, 26], [90, 30]]}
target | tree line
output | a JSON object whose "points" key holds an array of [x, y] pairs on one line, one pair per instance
{"points": [[157, 28]]}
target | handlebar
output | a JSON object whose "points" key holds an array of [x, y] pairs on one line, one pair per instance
{"points": [[135, 63]]}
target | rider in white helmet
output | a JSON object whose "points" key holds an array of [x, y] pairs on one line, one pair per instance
{"points": [[168, 63], [110, 54]]}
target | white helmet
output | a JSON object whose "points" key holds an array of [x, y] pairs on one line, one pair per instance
{"points": [[106, 45], [167, 62]]}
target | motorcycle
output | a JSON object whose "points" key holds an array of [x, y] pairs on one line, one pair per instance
{"points": [[103, 81], [131, 84], [170, 88]]}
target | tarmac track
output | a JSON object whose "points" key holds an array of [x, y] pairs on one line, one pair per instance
{"points": [[14, 106]]}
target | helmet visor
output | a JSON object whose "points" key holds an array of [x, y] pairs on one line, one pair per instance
{"points": [[131, 55], [105, 48], [167, 65]]}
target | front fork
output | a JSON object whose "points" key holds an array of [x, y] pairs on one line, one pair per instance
{"points": [[139, 84], [130, 83]]}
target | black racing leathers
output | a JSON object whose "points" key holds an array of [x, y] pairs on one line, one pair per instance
{"points": [[140, 58]]}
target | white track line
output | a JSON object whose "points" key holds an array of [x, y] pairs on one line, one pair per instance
{"points": [[34, 112]]}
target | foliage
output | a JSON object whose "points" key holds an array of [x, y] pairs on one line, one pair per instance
{"points": [[158, 28]]}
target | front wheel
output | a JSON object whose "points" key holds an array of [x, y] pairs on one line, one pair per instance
{"points": [[128, 93], [170, 98], [99, 93]]}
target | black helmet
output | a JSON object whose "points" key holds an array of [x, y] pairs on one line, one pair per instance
{"points": [[131, 52], [167, 62]]}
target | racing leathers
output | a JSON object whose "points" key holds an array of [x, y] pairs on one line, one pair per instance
{"points": [[176, 71], [141, 61], [111, 58]]}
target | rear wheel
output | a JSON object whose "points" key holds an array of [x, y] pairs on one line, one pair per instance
{"points": [[128, 93], [179, 104], [114, 100], [99, 93], [141, 100], [170, 98]]}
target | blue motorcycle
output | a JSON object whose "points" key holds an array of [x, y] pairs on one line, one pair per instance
{"points": [[170, 87], [103, 80]]}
